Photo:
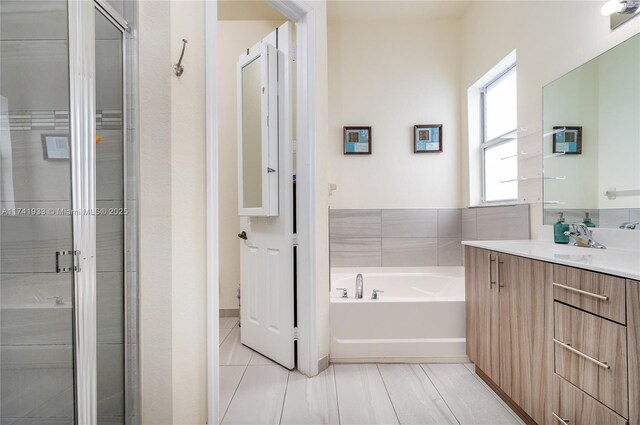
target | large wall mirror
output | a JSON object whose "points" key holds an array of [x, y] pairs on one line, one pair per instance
{"points": [[258, 131], [591, 119]]}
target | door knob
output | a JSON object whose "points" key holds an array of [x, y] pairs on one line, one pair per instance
{"points": [[243, 235]]}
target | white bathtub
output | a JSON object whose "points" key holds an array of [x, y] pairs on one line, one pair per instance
{"points": [[419, 317]]}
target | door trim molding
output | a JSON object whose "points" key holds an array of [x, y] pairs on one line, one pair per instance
{"points": [[212, 210], [303, 14]]}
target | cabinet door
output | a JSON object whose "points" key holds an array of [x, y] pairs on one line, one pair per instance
{"points": [[482, 312], [524, 286], [633, 347]]}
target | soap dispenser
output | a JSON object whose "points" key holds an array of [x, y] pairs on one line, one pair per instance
{"points": [[558, 230], [587, 220]]}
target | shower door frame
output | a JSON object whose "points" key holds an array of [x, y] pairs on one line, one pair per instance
{"points": [[82, 128]]}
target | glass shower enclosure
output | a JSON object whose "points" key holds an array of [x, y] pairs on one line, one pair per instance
{"points": [[68, 239]]}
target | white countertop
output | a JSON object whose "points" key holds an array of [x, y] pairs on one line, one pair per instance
{"points": [[618, 262]]}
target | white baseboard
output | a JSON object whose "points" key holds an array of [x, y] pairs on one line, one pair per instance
{"points": [[451, 359]]}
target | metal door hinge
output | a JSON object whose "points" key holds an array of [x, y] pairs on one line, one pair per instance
{"points": [[294, 239], [76, 265], [294, 146], [292, 53], [295, 334]]}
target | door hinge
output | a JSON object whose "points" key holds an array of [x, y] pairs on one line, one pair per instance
{"points": [[294, 239], [294, 146], [75, 263], [292, 53], [295, 334]]}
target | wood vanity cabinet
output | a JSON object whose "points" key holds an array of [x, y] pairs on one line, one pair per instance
{"points": [[560, 345], [508, 327]]}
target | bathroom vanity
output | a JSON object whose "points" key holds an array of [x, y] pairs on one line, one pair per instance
{"points": [[555, 329]]}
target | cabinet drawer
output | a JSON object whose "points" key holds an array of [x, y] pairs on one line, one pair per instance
{"points": [[590, 352], [598, 293], [574, 407]]}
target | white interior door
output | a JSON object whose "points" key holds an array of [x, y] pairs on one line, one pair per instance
{"points": [[267, 252]]}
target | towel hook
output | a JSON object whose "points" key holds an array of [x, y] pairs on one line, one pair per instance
{"points": [[178, 68]]}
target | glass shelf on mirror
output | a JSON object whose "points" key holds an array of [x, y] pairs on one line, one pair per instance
{"points": [[524, 155], [524, 132], [525, 178]]}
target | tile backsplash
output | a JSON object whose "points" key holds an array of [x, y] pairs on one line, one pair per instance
{"points": [[418, 237], [610, 218]]}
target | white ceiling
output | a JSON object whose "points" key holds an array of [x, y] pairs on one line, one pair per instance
{"points": [[345, 10], [247, 10]]}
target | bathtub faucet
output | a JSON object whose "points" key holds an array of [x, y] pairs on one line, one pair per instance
{"points": [[359, 285]]}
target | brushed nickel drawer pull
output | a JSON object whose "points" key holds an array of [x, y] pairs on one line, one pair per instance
{"points": [[581, 354], [562, 421], [580, 291]]}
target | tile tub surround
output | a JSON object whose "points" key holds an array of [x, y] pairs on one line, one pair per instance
{"points": [[418, 237]]}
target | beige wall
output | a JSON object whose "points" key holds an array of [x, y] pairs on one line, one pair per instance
{"points": [[172, 215], [234, 37], [392, 75], [551, 38]]}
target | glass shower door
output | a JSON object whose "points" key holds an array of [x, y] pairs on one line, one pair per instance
{"points": [[110, 222], [36, 282]]}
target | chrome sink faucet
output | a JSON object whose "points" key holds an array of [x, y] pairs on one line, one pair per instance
{"points": [[581, 235], [628, 225], [359, 285]]}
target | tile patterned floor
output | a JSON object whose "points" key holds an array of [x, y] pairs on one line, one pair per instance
{"points": [[256, 391]]}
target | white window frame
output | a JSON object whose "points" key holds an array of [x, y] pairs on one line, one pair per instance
{"points": [[496, 141]]}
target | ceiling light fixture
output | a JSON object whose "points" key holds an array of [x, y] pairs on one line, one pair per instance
{"points": [[618, 6]]}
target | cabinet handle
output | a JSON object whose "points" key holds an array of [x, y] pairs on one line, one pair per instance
{"points": [[498, 262], [562, 421], [491, 282], [566, 346], [580, 291]]}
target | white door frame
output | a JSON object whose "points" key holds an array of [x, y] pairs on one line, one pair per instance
{"points": [[303, 14]]}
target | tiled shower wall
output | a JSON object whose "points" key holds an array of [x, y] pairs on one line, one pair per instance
{"points": [[418, 237]]}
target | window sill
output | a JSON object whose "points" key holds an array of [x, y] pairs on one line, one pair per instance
{"points": [[511, 203]]}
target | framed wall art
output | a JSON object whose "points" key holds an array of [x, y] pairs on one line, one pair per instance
{"points": [[569, 141], [357, 140], [427, 138]]}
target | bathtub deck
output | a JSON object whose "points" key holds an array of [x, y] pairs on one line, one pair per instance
{"points": [[254, 390]]}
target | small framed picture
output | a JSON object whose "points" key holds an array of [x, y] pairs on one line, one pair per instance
{"points": [[357, 140], [427, 138], [567, 141], [55, 146]]}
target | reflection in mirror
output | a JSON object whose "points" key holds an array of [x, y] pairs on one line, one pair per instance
{"points": [[252, 134], [592, 140]]}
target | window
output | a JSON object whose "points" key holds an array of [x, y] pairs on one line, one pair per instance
{"points": [[499, 144]]}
